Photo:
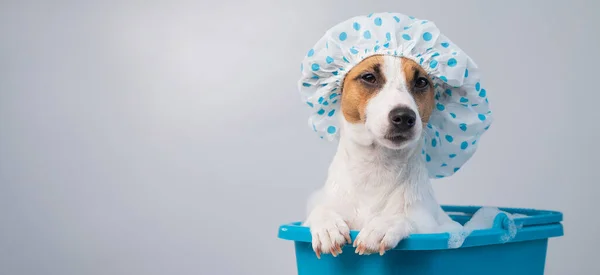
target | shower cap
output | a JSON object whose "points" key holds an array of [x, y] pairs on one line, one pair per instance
{"points": [[461, 113]]}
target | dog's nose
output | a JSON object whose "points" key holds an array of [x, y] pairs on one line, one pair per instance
{"points": [[403, 118]]}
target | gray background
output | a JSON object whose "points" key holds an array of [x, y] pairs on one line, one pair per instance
{"points": [[169, 138]]}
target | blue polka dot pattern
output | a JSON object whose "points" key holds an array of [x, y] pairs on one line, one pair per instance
{"points": [[433, 64], [427, 36], [452, 62], [440, 107], [331, 129], [464, 145], [378, 21], [461, 114]]}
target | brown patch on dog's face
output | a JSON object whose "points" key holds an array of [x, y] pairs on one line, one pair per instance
{"points": [[361, 83], [420, 86]]}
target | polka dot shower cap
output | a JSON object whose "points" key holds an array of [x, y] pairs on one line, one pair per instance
{"points": [[461, 113]]}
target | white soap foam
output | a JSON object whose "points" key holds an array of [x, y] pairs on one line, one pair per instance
{"points": [[482, 219]]}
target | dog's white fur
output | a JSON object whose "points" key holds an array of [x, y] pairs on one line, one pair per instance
{"points": [[374, 185]]}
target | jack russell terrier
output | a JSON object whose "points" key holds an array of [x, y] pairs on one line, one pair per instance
{"points": [[378, 182]]}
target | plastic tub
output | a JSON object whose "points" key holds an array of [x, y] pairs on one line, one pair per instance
{"points": [[482, 253]]}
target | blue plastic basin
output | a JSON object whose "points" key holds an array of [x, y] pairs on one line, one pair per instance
{"points": [[482, 253]]}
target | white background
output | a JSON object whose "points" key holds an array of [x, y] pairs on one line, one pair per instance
{"points": [[169, 137]]}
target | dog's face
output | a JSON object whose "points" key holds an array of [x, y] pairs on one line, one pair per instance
{"points": [[387, 100]]}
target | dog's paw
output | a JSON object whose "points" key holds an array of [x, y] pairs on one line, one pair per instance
{"points": [[329, 234], [382, 234]]}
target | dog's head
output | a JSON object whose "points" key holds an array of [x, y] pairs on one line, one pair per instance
{"points": [[386, 100]]}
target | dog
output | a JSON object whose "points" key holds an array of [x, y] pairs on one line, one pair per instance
{"points": [[377, 182]]}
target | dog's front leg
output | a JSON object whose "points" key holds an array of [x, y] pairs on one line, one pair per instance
{"points": [[329, 231], [382, 233]]}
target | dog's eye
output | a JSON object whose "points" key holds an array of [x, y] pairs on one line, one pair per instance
{"points": [[421, 83], [368, 77]]}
